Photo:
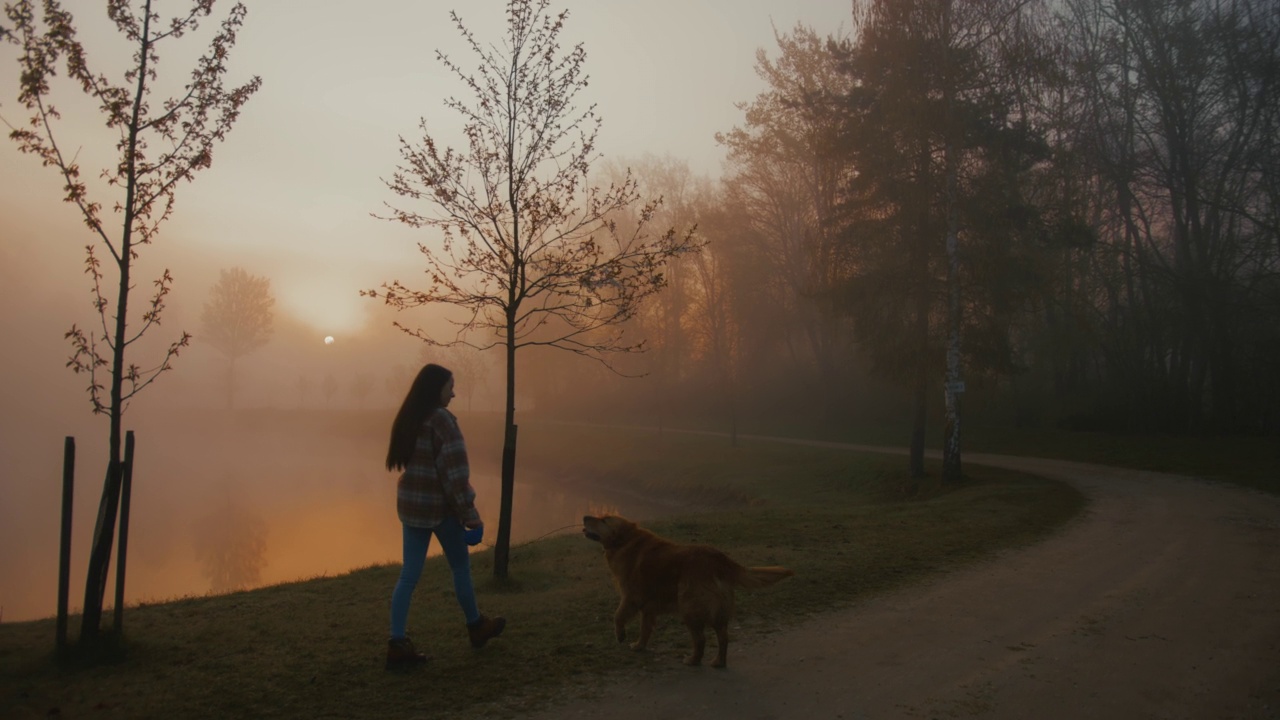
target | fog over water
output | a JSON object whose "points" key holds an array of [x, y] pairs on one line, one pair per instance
{"points": [[220, 504]]}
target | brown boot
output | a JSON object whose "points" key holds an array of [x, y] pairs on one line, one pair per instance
{"points": [[402, 655], [482, 630]]}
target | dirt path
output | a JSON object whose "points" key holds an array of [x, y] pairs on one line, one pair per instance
{"points": [[1163, 601]]}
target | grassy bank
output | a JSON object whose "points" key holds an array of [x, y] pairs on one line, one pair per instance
{"points": [[1248, 461], [849, 525]]}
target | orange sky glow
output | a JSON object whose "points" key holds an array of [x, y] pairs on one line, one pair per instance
{"points": [[292, 189]]}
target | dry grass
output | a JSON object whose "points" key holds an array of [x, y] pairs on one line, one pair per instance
{"points": [[314, 649]]}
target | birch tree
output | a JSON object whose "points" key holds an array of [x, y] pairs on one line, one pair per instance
{"points": [[935, 214]]}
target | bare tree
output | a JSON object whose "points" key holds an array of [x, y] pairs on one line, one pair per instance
{"points": [[1162, 303], [361, 388], [661, 319], [238, 318], [715, 326], [467, 363], [231, 546], [1199, 107], [160, 145], [398, 380], [529, 250], [329, 388], [786, 171], [304, 386]]}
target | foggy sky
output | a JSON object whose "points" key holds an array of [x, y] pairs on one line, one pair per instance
{"points": [[291, 190]]}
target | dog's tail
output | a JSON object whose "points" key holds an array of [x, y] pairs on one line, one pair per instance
{"points": [[758, 577]]}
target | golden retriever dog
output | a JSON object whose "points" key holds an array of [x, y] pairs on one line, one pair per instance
{"points": [[656, 576]]}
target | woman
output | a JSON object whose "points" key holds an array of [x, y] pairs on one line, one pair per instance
{"points": [[434, 496]]}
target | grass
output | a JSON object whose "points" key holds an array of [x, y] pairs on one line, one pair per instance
{"points": [[1246, 461], [850, 526]]}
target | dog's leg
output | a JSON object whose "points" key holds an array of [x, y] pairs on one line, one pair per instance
{"points": [[722, 644], [620, 619], [697, 632], [647, 621]]}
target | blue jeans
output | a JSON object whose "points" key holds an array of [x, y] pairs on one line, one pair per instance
{"points": [[416, 542]]}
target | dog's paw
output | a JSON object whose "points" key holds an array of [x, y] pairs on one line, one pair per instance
{"points": [[637, 646]]}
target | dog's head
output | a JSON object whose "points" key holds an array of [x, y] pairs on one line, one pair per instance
{"points": [[608, 530]]}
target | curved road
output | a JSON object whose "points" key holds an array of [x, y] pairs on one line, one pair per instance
{"points": [[1162, 601]]}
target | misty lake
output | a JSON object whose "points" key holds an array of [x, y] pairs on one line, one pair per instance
{"points": [[337, 529], [221, 504]]}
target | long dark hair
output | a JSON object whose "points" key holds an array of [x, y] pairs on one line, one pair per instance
{"points": [[422, 400]]}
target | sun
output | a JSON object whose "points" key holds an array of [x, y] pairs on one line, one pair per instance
{"points": [[328, 339]]}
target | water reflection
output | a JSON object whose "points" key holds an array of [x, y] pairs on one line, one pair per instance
{"points": [[228, 502], [230, 545], [333, 532]]}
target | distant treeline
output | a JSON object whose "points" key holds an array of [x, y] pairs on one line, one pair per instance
{"points": [[1109, 170]]}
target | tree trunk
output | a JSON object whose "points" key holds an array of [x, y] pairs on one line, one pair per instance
{"points": [[732, 407], [117, 626], [502, 546], [1227, 417], [915, 460], [231, 383], [951, 471], [95, 586], [64, 544]]}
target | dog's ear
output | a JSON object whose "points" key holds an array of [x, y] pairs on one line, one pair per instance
{"points": [[619, 529]]}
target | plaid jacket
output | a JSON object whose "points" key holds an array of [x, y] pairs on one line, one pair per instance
{"points": [[436, 483]]}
